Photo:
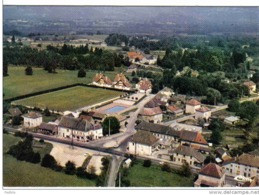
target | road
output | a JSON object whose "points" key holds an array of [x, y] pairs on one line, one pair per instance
{"points": [[114, 169]]}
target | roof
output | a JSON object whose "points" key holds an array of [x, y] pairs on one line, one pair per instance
{"points": [[75, 123], [145, 84], [132, 66], [157, 128], [151, 111], [174, 109], [249, 160], [98, 77], [154, 103], [220, 151], [145, 138], [15, 111], [134, 55], [193, 102], [188, 151], [47, 126], [232, 118], [98, 115], [32, 115], [193, 136], [249, 83], [212, 170], [203, 109], [121, 78], [209, 183]]}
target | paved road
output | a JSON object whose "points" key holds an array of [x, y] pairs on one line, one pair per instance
{"points": [[114, 169]]}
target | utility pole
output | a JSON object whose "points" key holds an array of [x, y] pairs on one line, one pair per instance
{"points": [[72, 142], [119, 179], [109, 126]]}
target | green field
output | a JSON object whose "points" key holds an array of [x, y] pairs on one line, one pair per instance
{"points": [[69, 99], [153, 176], [20, 173], [17, 83]]}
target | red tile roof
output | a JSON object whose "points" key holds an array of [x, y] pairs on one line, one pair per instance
{"points": [[151, 111], [134, 55], [174, 108], [193, 102], [121, 79], [203, 109], [101, 78], [192, 136], [212, 170], [145, 84]]}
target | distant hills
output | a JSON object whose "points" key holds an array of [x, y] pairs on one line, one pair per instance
{"points": [[131, 20]]}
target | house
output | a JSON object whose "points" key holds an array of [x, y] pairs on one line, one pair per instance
{"points": [[250, 85], [149, 59], [175, 110], [49, 129], [177, 99], [211, 175], [144, 86], [193, 139], [132, 68], [32, 119], [182, 126], [135, 56], [121, 82], [142, 143], [79, 129], [189, 155], [155, 102], [231, 120], [101, 80], [246, 165], [154, 115], [203, 113], [192, 105], [15, 112]]}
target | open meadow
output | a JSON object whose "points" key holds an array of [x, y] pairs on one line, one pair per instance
{"points": [[17, 83], [25, 174], [153, 176], [70, 98]]}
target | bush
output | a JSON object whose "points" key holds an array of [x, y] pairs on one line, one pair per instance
{"points": [[111, 123], [80, 172], [166, 167], [147, 163], [35, 158], [28, 70], [49, 161], [46, 112], [185, 170], [58, 168], [41, 141], [16, 120], [81, 73], [70, 168]]}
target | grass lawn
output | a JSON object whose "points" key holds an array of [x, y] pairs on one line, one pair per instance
{"points": [[20, 173], [69, 99], [153, 176], [17, 83]]}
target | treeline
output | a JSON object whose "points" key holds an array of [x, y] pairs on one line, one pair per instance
{"points": [[67, 57]]}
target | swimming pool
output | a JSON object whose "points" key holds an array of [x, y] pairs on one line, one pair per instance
{"points": [[114, 109]]}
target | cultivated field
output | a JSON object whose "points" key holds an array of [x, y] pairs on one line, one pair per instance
{"points": [[25, 174], [17, 83], [69, 99]]}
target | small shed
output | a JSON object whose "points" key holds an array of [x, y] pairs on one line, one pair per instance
{"points": [[232, 120]]}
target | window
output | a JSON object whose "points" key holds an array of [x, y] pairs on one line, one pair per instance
{"points": [[178, 159], [190, 162], [191, 157]]}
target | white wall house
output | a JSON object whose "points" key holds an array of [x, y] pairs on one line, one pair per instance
{"points": [[142, 143], [203, 113], [32, 119], [246, 165], [80, 129], [191, 106], [154, 115], [189, 155]]}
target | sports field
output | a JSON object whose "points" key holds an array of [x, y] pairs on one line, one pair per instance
{"points": [[69, 99], [17, 83]]}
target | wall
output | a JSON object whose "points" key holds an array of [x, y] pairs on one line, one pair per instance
{"points": [[139, 149]]}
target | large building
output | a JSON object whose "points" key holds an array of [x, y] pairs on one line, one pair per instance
{"points": [[184, 154], [211, 175], [79, 129], [246, 165], [142, 143], [32, 119]]}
